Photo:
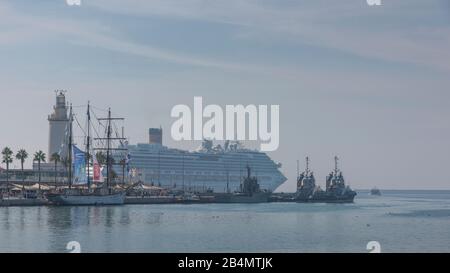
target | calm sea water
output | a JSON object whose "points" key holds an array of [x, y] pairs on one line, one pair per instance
{"points": [[401, 221]]}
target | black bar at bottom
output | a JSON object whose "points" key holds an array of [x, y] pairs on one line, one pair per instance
{"points": [[227, 262]]}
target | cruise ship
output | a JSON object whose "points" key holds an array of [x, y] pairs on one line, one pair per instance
{"points": [[218, 168]]}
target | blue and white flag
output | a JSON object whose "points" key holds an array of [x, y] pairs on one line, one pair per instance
{"points": [[127, 161], [79, 167]]}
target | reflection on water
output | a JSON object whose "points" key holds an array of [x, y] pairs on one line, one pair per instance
{"points": [[445, 213], [235, 228], [5, 219]]}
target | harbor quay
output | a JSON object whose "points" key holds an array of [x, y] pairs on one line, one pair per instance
{"points": [[32, 193]]}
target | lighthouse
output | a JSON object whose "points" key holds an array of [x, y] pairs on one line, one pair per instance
{"points": [[58, 124]]}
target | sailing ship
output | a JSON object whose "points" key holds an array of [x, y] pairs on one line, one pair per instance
{"points": [[81, 190]]}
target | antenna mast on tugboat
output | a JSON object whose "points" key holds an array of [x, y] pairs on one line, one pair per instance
{"points": [[307, 165], [336, 170]]}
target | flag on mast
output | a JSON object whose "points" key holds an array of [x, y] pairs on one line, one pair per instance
{"points": [[127, 162], [79, 166]]}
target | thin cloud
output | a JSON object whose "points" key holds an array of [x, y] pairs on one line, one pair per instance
{"points": [[28, 28], [323, 26], [347, 26]]}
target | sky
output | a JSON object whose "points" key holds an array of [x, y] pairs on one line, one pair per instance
{"points": [[367, 83]]}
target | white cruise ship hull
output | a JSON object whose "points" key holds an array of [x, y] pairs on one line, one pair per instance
{"points": [[199, 170], [87, 200]]}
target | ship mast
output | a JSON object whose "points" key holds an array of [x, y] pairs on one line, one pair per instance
{"points": [[88, 145], [336, 170], [159, 167], [227, 171], [183, 174], [228, 181], [69, 156], [307, 165], [108, 148]]}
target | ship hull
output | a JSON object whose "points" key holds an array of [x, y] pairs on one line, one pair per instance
{"points": [[217, 171], [328, 199], [334, 201], [150, 200], [87, 200], [262, 197]]}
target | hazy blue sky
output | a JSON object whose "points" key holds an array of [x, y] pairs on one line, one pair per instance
{"points": [[370, 84]]}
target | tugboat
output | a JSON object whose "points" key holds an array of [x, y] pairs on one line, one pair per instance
{"points": [[336, 190], [307, 191], [250, 192], [103, 195]]}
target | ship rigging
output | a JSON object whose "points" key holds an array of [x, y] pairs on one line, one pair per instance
{"points": [[79, 163]]}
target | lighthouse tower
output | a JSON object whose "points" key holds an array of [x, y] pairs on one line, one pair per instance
{"points": [[58, 124]]}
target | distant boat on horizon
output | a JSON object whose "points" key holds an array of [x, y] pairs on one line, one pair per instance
{"points": [[375, 192]]}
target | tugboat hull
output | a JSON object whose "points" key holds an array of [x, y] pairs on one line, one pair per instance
{"points": [[87, 200], [329, 198]]}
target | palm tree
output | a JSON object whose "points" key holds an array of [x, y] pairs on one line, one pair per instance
{"points": [[39, 157], [22, 155], [7, 159], [101, 157], [56, 158], [65, 162], [123, 163], [102, 160]]}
